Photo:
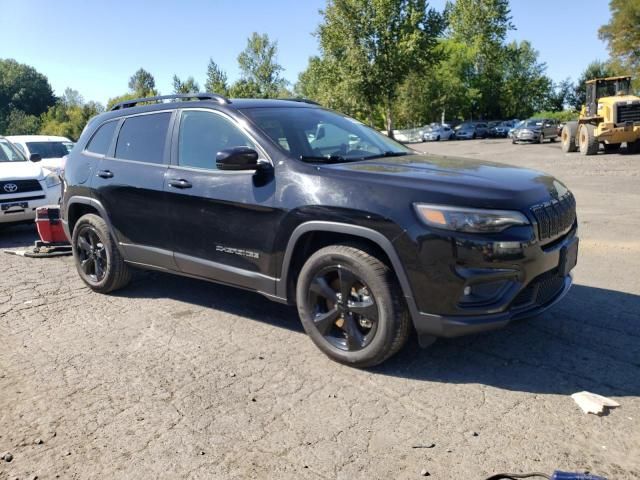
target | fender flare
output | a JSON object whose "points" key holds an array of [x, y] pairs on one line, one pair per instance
{"points": [[363, 232], [93, 203]]}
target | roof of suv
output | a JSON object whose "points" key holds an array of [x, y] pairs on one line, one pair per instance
{"points": [[129, 107]]}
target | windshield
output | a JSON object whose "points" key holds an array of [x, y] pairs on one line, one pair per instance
{"points": [[8, 153], [533, 123], [48, 149], [465, 126], [309, 133]]}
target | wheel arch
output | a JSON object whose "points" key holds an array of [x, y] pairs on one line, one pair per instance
{"points": [[311, 236], [78, 206]]}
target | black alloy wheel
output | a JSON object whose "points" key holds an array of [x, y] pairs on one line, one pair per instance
{"points": [[97, 258], [345, 311], [92, 254]]}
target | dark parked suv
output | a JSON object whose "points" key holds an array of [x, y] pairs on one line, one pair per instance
{"points": [[308, 207]]}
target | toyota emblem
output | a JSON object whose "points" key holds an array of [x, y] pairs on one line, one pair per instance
{"points": [[10, 187]]}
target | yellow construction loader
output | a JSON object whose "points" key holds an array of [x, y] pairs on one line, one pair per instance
{"points": [[610, 117]]}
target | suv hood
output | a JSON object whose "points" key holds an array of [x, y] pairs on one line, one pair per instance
{"points": [[20, 171], [457, 181]]}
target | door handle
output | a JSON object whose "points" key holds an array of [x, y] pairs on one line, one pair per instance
{"points": [[179, 183], [105, 173]]}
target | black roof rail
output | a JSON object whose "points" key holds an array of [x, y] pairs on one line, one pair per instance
{"points": [[300, 99], [199, 96]]}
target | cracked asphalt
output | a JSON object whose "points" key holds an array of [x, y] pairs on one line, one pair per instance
{"points": [[177, 378]]}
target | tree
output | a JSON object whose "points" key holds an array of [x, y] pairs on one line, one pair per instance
{"points": [[622, 35], [143, 84], [483, 25], [322, 82], [20, 123], [260, 71], [188, 86], [525, 87], [216, 79], [72, 98], [22, 88], [68, 120], [376, 44], [560, 96], [595, 69]]}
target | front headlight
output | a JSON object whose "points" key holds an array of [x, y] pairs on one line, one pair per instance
{"points": [[52, 180], [471, 220]]}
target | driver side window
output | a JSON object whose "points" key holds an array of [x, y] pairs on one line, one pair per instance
{"points": [[203, 134]]}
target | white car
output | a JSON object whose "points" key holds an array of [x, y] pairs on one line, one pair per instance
{"points": [[438, 132], [24, 185], [51, 149]]}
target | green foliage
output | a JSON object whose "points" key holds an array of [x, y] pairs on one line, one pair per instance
{"points": [[216, 79], [561, 116], [25, 90], [622, 35], [374, 45], [482, 25], [68, 117], [120, 98], [188, 86], [261, 73], [525, 87], [20, 123], [142, 84]]}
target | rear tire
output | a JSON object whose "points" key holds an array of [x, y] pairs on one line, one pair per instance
{"points": [[337, 279], [589, 144], [568, 140], [98, 260]]}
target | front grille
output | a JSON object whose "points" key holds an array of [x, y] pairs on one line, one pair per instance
{"points": [[21, 199], [22, 186], [629, 112], [541, 290], [555, 217]]}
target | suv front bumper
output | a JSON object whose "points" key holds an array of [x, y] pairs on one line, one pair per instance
{"points": [[456, 326], [464, 285]]}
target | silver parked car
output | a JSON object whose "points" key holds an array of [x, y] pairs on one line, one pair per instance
{"points": [[437, 133]]}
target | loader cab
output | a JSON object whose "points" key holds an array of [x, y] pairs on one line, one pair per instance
{"points": [[604, 87]]}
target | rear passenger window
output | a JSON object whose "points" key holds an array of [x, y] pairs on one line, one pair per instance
{"points": [[142, 138], [102, 139]]}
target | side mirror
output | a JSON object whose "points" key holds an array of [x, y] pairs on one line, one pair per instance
{"points": [[237, 158], [35, 157]]}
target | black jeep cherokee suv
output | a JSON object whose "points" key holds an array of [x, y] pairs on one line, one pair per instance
{"points": [[305, 206]]}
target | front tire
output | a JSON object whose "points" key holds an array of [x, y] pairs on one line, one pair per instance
{"points": [[98, 260], [589, 144], [351, 306], [568, 140]]}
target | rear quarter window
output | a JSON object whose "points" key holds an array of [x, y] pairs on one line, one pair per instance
{"points": [[101, 140]]}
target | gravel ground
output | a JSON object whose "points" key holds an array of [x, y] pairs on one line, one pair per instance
{"points": [[176, 378]]}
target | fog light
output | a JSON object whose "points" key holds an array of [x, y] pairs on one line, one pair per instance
{"points": [[467, 291]]}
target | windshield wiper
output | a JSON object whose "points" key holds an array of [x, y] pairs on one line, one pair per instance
{"points": [[323, 159], [387, 154]]}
